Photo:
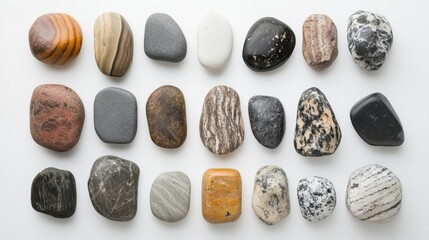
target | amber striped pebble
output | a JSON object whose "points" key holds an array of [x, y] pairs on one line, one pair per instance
{"points": [[55, 38]]}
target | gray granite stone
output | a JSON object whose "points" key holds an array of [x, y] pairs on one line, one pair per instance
{"points": [[112, 186], [170, 196], [115, 115]]}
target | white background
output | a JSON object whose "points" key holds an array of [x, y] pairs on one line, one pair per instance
{"points": [[403, 80]]}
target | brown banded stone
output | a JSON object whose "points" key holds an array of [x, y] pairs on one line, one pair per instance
{"points": [[319, 44]]}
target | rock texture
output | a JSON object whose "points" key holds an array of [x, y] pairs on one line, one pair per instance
{"points": [[215, 41], [55, 38], [376, 122], [317, 131], [374, 194], [221, 123], [56, 117], [268, 45], [270, 200], [319, 44], [164, 39], [316, 198], [370, 38], [267, 120], [112, 186], [53, 192], [113, 44], [115, 115], [221, 195], [166, 117], [170, 196]]}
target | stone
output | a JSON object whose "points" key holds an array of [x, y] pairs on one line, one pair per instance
{"points": [[374, 194], [317, 131], [316, 198], [55, 38], [166, 117], [56, 117], [267, 120], [270, 200], [268, 45], [170, 196], [215, 41], [112, 186], [221, 123], [164, 39], [376, 122], [53, 192], [319, 43], [370, 38], [113, 44], [115, 115], [221, 195]]}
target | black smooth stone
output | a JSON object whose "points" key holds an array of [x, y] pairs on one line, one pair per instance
{"points": [[269, 43], [267, 120], [376, 122], [53, 192]]}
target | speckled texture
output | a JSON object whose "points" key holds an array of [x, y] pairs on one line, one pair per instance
{"points": [[316, 198], [317, 131], [370, 38]]}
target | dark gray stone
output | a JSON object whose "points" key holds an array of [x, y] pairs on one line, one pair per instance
{"points": [[115, 115], [112, 186]]}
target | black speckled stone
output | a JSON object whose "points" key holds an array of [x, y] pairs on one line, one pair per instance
{"points": [[269, 43], [267, 120], [53, 192], [376, 122]]}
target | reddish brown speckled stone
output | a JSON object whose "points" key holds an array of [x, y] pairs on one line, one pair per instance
{"points": [[56, 117]]}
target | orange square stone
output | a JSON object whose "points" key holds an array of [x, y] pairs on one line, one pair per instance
{"points": [[221, 195]]}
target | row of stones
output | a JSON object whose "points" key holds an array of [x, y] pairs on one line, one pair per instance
{"points": [[56, 38], [373, 193], [57, 115]]}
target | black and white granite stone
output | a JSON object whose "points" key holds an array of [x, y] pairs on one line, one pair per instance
{"points": [[112, 186], [170, 196], [267, 120], [316, 198], [317, 131], [374, 194], [268, 45], [270, 200], [164, 39], [376, 122], [53, 192], [115, 115], [370, 38]]}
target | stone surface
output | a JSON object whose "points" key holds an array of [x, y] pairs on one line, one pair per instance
{"points": [[215, 41], [270, 200], [56, 117], [55, 38], [316, 198], [376, 122], [170, 196], [221, 123], [53, 192], [370, 38], [115, 115], [166, 117], [319, 44], [113, 44], [221, 195], [267, 120], [164, 39], [268, 45], [112, 186], [374, 194], [317, 131]]}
